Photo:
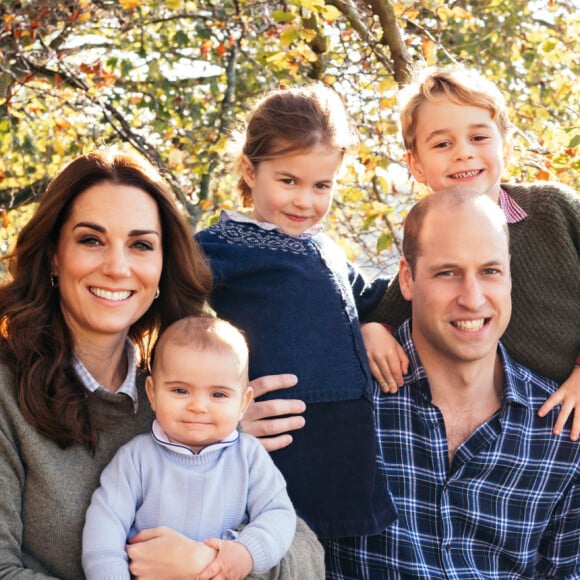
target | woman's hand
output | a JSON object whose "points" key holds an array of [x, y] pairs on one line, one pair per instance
{"points": [[270, 420], [164, 554]]}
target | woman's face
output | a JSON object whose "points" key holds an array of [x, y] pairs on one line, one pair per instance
{"points": [[108, 260]]}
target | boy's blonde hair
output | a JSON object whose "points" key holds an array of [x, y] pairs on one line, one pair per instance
{"points": [[461, 86]]}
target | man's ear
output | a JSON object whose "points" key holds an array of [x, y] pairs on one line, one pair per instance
{"points": [[248, 171], [149, 389], [415, 166], [405, 279]]}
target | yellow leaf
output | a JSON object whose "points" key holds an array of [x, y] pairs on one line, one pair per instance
{"points": [[443, 13], [174, 4], [428, 50], [388, 103], [129, 4], [461, 14], [330, 13]]}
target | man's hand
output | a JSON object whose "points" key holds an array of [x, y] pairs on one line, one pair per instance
{"points": [[270, 420]]}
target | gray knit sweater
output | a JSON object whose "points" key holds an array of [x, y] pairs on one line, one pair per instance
{"points": [[45, 491], [544, 330]]}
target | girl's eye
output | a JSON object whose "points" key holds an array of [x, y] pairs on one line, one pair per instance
{"points": [[288, 181], [322, 186]]}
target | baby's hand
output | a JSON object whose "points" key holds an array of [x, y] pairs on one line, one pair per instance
{"points": [[233, 561], [387, 359], [569, 395]]}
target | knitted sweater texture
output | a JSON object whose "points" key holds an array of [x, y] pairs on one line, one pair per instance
{"points": [[206, 495], [544, 329], [45, 490]]}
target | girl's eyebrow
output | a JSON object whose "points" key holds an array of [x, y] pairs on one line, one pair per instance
{"points": [[101, 229]]}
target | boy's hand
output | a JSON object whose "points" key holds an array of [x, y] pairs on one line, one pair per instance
{"points": [[569, 395], [387, 359], [233, 561]]}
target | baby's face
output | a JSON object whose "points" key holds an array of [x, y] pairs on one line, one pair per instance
{"points": [[198, 396]]}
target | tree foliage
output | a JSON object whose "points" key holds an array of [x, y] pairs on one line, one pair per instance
{"points": [[173, 77]]}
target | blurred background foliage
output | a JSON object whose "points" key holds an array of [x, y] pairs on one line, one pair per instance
{"points": [[173, 77]]}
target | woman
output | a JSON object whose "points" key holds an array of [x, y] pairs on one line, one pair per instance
{"points": [[104, 265]]}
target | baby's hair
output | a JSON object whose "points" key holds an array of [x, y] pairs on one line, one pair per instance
{"points": [[460, 85], [291, 120], [202, 333]]}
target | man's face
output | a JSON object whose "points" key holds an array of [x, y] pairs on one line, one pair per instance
{"points": [[460, 292]]}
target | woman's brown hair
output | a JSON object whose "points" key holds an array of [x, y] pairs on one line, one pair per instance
{"points": [[35, 342]]}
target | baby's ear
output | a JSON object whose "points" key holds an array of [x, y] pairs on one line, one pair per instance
{"points": [[247, 398], [150, 390]]}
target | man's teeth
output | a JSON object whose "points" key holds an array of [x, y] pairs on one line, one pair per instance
{"points": [[466, 174], [470, 325], [107, 295]]}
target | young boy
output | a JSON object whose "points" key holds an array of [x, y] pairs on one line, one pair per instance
{"points": [[456, 131], [194, 473]]}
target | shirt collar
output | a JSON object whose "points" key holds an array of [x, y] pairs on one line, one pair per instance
{"points": [[513, 385], [128, 387], [234, 216], [510, 207], [161, 437]]}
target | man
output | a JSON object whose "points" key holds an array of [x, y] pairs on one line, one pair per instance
{"points": [[482, 487]]}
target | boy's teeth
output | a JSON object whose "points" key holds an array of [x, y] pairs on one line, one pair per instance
{"points": [[470, 325], [107, 295]]}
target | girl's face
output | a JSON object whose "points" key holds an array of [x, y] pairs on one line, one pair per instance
{"points": [[108, 260], [293, 191]]}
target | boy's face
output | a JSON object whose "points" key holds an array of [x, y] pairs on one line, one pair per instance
{"points": [[458, 145], [293, 191], [198, 396]]}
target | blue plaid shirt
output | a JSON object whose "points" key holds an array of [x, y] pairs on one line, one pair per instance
{"points": [[508, 507]]}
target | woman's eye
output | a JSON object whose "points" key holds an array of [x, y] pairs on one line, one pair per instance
{"points": [[89, 241], [143, 245]]}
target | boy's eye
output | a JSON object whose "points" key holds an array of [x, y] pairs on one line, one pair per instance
{"points": [[441, 144], [481, 138]]}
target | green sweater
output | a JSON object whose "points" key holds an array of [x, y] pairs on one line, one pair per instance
{"points": [[544, 330], [45, 491]]}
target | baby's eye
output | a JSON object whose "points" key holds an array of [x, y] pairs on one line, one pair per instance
{"points": [[219, 395], [180, 391]]}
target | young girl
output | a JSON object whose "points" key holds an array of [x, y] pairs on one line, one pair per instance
{"points": [[292, 291]]}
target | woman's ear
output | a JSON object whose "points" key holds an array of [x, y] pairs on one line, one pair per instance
{"points": [[248, 171]]}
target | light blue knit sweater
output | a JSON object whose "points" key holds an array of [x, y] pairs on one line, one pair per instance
{"points": [[207, 495]]}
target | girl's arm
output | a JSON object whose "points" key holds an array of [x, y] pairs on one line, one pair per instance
{"points": [[569, 395]]}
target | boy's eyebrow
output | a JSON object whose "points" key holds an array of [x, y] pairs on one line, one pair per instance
{"points": [[445, 131]]}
